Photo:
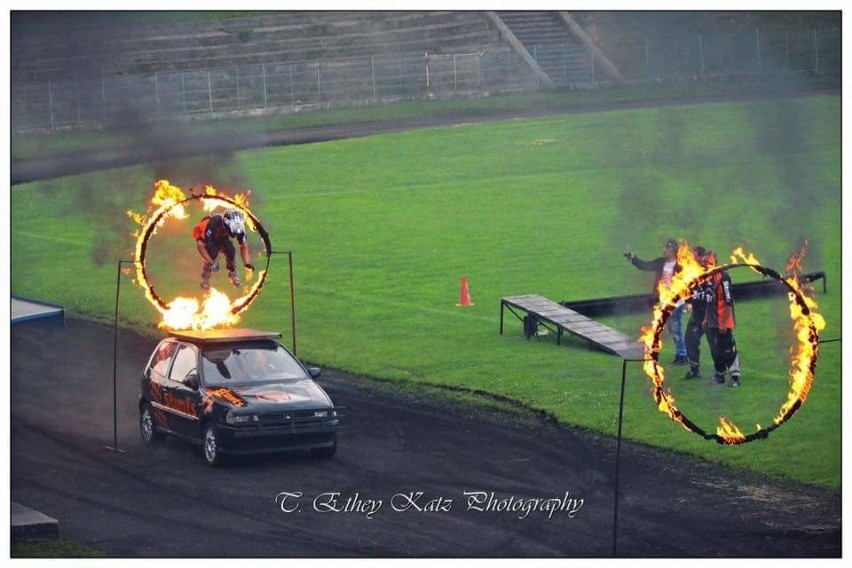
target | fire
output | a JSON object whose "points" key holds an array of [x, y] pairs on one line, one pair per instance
{"points": [[691, 272], [729, 433], [794, 265], [185, 313], [215, 308], [807, 324]]}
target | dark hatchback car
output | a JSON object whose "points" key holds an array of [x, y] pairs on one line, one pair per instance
{"points": [[235, 391]]}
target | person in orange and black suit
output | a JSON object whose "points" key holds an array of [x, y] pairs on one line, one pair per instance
{"points": [[719, 323], [213, 235]]}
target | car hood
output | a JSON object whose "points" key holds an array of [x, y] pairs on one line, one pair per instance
{"points": [[300, 393]]}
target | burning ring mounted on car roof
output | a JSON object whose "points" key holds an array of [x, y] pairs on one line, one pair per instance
{"points": [[172, 202], [806, 324]]}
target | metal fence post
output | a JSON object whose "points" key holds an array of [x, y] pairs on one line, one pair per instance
{"points": [[103, 99], [481, 72], [816, 51], [647, 61], [210, 90], [701, 52], [319, 83], [183, 90], [455, 76], [50, 101], [77, 99], [292, 87], [264, 85], [759, 55], [238, 87], [592, 57], [157, 90], [373, 74], [787, 48], [427, 71]]}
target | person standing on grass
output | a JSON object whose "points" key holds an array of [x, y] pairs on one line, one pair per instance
{"points": [[665, 268], [697, 306], [719, 323]]}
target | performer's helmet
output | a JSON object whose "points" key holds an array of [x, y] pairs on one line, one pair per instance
{"points": [[235, 222]]}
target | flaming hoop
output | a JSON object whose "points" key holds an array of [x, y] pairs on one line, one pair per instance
{"points": [[807, 324], [215, 308]]}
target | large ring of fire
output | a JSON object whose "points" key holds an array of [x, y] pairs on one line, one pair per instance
{"points": [[178, 306], [806, 323]]}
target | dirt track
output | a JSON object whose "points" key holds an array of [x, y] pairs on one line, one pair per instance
{"points": [[164, 502]]}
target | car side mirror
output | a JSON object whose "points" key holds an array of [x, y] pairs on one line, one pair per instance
{"points": [[192, 381], [314, 372]]}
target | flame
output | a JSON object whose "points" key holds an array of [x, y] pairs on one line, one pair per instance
{"points": [[729, 433], [670, 294], [185, 313], [213, 309], [739, 255], [794, 265], [807, 324]]}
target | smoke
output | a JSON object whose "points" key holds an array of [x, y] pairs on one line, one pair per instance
{"points": [[764, 173], [175, 152]]}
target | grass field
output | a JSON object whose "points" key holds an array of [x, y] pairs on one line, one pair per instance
{"points": [[383, 228]]}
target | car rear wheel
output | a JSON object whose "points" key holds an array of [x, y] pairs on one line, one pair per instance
{"points": [[328, 451], [210, 446], [147, 426]]}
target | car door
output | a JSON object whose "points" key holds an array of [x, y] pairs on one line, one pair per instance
{"points": [[181, 397], [155, 383]]}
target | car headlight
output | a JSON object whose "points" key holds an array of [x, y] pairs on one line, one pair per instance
{"points": [[321, 414], [236, 419]]}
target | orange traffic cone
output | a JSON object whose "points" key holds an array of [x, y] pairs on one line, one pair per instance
{"points": [[464, 297]]}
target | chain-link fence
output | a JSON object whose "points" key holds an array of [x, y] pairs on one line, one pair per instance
{"points": [[752, 52], [294, 86], [354, 81]]}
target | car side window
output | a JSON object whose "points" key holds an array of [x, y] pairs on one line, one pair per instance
{"points": [[186, 362], [163, 356]]}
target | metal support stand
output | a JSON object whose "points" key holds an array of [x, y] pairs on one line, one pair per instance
{"points": [[114, 446], [292, 294], [618, 454]]}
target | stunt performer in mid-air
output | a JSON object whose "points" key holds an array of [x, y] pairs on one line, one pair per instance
{"points": [[213, 235]]}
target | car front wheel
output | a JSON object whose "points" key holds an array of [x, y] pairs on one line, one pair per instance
{"points": [[210, 446], [147, 426]]}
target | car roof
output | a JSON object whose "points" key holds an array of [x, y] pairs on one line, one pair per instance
{"points": [[209, 336]]}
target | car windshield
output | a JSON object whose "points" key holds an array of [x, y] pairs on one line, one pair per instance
{"points": [[249, 364]]}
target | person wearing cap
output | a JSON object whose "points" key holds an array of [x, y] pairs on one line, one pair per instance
{"points": [[664, 268], [213, 235]]}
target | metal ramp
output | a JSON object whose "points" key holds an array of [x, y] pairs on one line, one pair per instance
{"points": [[26, 309], [559, 319]]}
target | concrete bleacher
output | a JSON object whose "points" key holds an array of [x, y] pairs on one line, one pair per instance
{"points": [[97, 47], [564, 58]]}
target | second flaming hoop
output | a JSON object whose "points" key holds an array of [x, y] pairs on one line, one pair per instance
{"points": [[807, 324]]}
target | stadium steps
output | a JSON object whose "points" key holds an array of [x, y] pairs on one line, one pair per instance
{"points": [[562, 57], [252, 40]]}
